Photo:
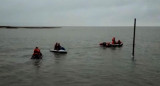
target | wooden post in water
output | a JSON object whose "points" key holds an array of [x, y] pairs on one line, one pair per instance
{"points": [[134, 37]]}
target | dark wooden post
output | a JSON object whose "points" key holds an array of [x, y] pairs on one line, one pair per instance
{"points": [[134, 37]]}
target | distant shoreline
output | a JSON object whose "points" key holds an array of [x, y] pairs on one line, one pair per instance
{"points": [[56, 27], [35, 27]]}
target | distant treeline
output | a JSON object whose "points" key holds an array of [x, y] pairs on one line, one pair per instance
{"points": [[27, 27]]}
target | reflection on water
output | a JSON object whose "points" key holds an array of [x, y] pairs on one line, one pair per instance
{"points": [[37, 62], [58, 57]]}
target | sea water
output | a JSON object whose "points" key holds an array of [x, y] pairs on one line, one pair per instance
{"points": [[86, 63]]}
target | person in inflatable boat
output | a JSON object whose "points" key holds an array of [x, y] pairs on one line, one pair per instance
{"points": [[113, 40]]}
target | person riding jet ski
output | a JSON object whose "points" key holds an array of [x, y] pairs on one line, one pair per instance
{"points": [[37, 53]]}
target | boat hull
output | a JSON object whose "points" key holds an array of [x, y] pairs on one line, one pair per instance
{"points": [[104, 44], [58, 51]]}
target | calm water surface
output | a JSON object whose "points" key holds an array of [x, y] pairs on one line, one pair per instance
{"points": [[86, 64]]}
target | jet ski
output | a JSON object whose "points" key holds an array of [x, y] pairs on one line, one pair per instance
{"points": [[36, 56], [62, 50]]}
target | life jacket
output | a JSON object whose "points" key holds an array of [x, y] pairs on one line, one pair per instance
{"points": [[36, 51], [113, 40]]}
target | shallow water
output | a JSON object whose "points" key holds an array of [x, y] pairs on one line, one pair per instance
{"points": [[86, 63]]}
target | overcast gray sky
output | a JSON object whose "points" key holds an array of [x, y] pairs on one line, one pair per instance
{"points": [[79, 12]]}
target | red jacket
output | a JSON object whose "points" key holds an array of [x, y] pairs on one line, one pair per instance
{"points": [[113, 40], [37, 51]]}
